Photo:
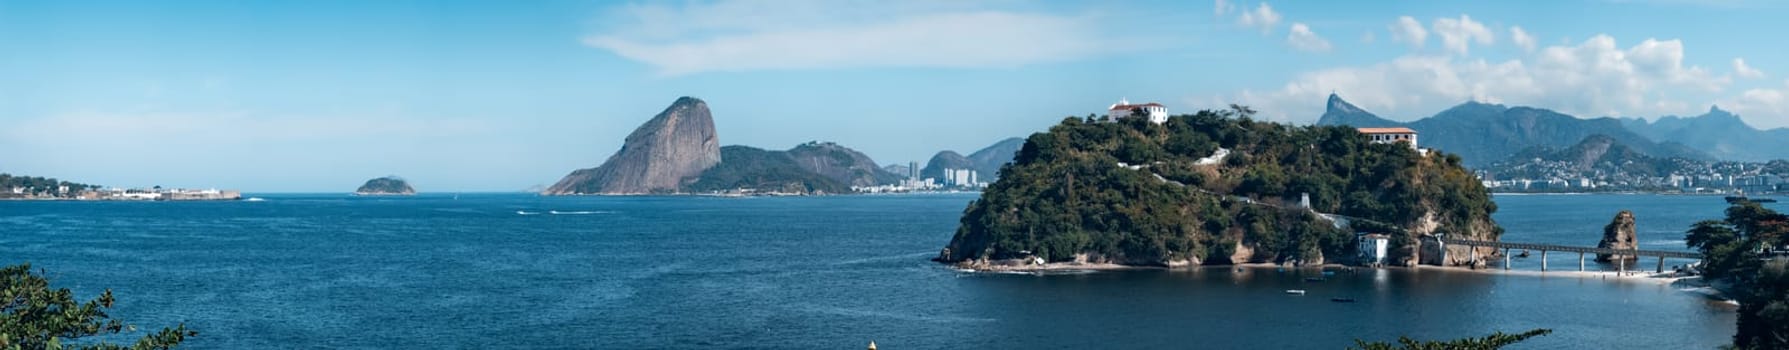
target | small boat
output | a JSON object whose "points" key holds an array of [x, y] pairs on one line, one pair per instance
{"points": [[1295, 291], [1342, 300], [1524, 254], [255, 199]]}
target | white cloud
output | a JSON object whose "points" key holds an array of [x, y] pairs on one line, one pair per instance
{"points": [[787, 35], [1745, 71], [1303, 39], [1457, 34], [1261, 17], [1408, 30], [1761, 107], [1521, 38], [1223, 7], [1591, 78], [1368, 38]]}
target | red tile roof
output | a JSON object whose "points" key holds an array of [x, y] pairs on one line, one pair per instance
{"points": [[1386, 130]]}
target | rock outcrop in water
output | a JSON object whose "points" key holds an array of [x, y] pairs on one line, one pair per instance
{"points": [[661, 156], [1619, 234], [389, 185]]}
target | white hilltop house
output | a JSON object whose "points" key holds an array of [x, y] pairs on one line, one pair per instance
{"points": [[1391, 135], [1156, 112]]}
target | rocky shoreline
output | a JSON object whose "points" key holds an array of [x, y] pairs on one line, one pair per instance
{"points": [[1021, 265]]}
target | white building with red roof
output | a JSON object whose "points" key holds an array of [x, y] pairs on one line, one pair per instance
{"points": [[1156, 112], [1390, 135]]}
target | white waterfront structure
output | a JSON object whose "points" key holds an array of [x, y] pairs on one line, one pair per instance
{"points": [[1373, 247]]}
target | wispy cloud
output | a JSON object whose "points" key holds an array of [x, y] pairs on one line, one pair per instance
{"points": [[1458, 34], [1746, 71], [1521, 38], [732, 36], [1263, 17], [1303, 39], [1407, 30]]}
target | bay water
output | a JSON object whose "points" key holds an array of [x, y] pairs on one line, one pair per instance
{"points": [[522, 271]]}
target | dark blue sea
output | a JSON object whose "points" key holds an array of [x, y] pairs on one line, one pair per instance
{"points": [[521, 271]]}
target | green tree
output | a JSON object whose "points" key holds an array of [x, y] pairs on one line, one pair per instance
{"points": [[34, 316], [1733, 252]]}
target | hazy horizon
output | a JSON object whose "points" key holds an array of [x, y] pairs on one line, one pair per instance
{"points": [[500, 97]]}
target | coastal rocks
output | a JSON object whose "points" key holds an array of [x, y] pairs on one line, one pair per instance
{"points": [[385, 186], [1619, 234], [658, 157]]}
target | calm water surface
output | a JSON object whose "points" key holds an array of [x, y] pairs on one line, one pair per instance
{"points": [[503, 271]]}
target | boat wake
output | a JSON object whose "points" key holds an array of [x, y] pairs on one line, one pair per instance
{"points": [[519, 212], [578, 212]]}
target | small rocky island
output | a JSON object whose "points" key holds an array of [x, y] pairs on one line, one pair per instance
{"points": [[385, 186], [1619, 235], [1218, 187]]}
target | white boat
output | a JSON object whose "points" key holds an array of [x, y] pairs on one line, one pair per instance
{"points": [[254, 199], [1295, 291]]}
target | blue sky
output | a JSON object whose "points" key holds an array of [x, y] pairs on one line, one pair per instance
{"points": [[502, 96]]}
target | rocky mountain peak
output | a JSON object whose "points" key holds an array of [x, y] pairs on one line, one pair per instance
{"points": [[1337, 105], [668, 151]]}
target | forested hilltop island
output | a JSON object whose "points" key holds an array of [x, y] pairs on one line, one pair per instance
{"points": [[1216, 187], [385, 186]]}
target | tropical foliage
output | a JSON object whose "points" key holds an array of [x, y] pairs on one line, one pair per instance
{"points": [[747, 168], [35, 316], [32, 185], [1741, 252], [1137, 192]]}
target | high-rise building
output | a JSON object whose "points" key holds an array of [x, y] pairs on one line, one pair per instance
{"points": [[913, 170]]}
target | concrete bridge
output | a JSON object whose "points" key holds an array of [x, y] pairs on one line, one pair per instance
{"points": [[1544, 248]]}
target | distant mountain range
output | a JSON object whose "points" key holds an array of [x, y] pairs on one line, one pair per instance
{"points": [[985, 162], [679, 152], [1483, 133], [1596, 154], [1718, 133]]}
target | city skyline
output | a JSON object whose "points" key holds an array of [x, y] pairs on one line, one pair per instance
{"points": [[485, 96]]}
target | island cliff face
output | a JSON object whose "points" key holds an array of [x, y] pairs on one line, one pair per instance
{"points": [[389, 185], [1619, 234], [661, 156], [1135, 193]]}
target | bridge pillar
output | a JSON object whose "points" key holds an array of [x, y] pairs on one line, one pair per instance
{"points": [[1580, 261], [1505, 258], [1620, 266], [1543, 261], [1661, 264]]}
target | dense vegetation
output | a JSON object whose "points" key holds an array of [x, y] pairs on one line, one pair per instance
{"points": [[1738, 253], [1490, 342], [41, 186], [34, 316], [757, 170], [840, 163], [386, 185], [1066, 193]]}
